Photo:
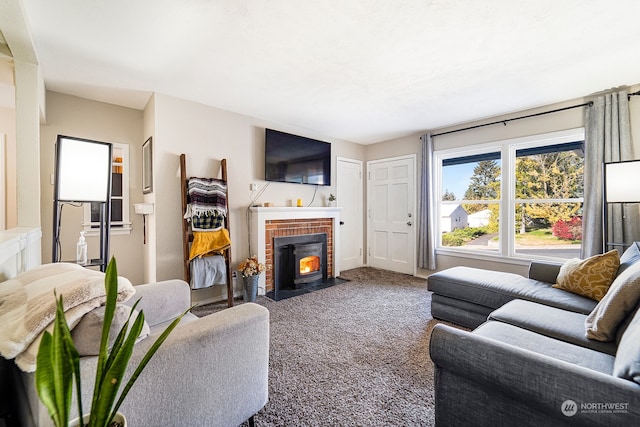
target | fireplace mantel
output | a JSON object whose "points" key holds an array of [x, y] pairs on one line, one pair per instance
{"points": [[260, 215]]}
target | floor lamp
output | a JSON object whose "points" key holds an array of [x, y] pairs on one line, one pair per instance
{"points": [[619, 187], [83, 175]]}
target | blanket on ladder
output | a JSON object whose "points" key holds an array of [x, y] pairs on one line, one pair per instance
{"points": [[27, 305], [207, 196]]}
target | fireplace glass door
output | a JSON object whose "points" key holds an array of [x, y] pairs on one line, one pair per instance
{"points": [[309, 264]]}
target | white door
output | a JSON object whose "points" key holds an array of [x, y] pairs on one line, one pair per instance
{"points": [[349, 198], [391, 204]]}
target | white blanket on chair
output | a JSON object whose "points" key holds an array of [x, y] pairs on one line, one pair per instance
{"points": [[28, 305]]}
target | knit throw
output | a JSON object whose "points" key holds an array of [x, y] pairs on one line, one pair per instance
{"points": [[207, 196], [28, 305]]}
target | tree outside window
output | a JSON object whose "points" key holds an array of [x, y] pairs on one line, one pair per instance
{"points": [[543, 198]]}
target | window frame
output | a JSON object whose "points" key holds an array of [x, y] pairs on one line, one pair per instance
{"points": [[507, 200], [117, 227]]}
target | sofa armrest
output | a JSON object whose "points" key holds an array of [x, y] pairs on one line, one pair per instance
{"points": [[212, 370], [544, 271], [541, 383], [162, 301]]}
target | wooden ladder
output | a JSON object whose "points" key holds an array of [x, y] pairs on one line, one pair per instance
{"points": [[187, 234]]}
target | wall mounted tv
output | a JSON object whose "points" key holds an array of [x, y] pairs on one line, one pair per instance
{"points": [[292, 158]]}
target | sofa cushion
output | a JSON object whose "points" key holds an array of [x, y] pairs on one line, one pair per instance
{"points": [[622, 297], [494, 289], [544, 271], [624, 325], [460, 312], [629, 257], [540, 344], [550, 321], [627, 364], [589, 277], [87, 334]]}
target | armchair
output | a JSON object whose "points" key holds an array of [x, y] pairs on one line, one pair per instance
{"points": [[210, 371]]}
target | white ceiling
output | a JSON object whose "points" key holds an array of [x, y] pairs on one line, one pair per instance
{"points": [[358, 70]]}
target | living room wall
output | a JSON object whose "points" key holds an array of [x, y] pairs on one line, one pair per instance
{"points": [[8, 128], [568, 119], [207, 135], [79, 117]]}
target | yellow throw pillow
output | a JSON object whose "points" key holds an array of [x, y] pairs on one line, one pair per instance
{"points": [[590, 277]]}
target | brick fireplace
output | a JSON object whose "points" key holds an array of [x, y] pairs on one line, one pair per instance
{"points": [[277, 222], [296, 227]]}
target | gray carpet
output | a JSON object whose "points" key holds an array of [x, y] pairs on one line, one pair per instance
{"points": [[355, 354]]}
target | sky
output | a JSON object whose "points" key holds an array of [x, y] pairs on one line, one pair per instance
{"points": [[456, 178]]}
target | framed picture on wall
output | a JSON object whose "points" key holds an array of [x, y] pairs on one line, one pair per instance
{"points": [[147, 167]]}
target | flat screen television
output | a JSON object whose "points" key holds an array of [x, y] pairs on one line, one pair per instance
{"points": [[296, 159]]}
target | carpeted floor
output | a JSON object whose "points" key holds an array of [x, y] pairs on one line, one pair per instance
{"points": [[355, 354]]}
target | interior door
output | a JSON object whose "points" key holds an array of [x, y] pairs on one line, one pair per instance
{"points": [[391, 212], [349, 198]]}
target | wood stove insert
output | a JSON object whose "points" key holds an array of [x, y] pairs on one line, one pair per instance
{"points": [[299, 261]]}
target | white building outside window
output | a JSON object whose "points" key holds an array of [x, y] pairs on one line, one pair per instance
{"points": [[522, 197]]}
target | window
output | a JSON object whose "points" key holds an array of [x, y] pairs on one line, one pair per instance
{"points": [[516, 198], [120, 223]]}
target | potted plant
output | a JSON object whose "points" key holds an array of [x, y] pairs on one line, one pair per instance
{"points": [[58, 363], [331, 199], [250, 270]]}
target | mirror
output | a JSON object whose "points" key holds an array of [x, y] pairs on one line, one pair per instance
{"points": [[147, 167]]}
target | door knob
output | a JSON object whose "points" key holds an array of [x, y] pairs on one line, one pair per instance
{"points": [[409, 223]]}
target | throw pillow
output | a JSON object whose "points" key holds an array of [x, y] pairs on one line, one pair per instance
{"points": [[590, 277], [629, 257], [627, 363], [622, 298], [86, 334]]}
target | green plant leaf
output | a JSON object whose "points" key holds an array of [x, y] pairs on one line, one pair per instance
{"points": [[44, 377], [111, 289], [57, 363], [69, 351], [115, 348], [113, 376]]}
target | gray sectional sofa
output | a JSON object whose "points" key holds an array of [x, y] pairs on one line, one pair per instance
{"points": [[528, 361]]}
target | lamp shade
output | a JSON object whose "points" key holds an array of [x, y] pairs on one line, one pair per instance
{"points": [[83, 170], [621, 182]]}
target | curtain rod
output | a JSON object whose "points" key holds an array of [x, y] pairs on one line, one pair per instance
{"points": [[504, 122]]}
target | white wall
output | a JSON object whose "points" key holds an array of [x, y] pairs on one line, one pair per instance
{"points": [[82, 118], [568, 119], [207, 135], [149, 249], [28, 114], [8, 128]]}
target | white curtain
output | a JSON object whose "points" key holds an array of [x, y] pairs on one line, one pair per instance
{"points": [[426, 220], [608, 139]]}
